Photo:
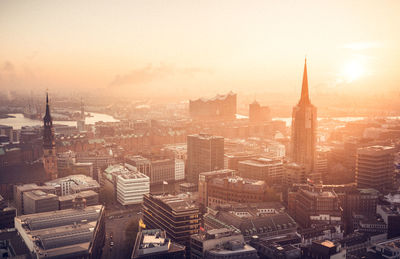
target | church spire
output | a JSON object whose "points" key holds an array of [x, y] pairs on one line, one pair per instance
{"points": [[47, 117], [304, 99]]}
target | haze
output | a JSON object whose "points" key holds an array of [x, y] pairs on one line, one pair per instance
{"points": [[200, 48]]}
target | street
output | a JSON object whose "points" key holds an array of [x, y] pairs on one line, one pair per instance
{"points": [[116, 223]]}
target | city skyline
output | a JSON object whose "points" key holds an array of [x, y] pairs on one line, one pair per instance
{"points": [[142, 49]]}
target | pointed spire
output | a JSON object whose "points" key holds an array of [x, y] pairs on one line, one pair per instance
{"points": [[304, 99], [47, 116]]}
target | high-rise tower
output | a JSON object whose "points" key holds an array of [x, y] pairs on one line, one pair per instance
{"points": [[304, 127], [49, 147]]}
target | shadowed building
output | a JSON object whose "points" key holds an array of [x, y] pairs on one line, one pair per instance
{"points": [[176, 214], [375, 167], [49, 145], [304, 127], [205, 154]]}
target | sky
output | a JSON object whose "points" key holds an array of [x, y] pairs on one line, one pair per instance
{"points": [[200, 48]]}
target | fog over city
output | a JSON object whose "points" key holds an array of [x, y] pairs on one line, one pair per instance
{"points": [[199, 129]]}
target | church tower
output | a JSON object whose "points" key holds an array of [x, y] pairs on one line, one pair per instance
{"points": [[304, 131], [49, 147]]}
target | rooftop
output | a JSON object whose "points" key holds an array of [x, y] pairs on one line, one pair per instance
{"points": [[180, 202], [61, 232]]}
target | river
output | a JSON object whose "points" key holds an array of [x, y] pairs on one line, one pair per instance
{"points": [[20, 121]]}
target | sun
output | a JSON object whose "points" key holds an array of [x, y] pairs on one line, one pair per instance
{"points": [[353, 70]]}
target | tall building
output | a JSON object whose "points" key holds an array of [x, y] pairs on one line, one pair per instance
{"points": [[49, 145], [304, 127], [375, 167], [205, 154], [175, 214]]}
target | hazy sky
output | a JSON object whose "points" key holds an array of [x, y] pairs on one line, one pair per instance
{"points": [[200, 47]]}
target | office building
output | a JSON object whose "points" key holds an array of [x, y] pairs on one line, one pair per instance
{"points": [[162, 170], [293, 174], [375, 167], [205, 154], [304, 129], [128, 184], [70, 233], [220, 243], [179, 169], [176, 214], [265, 169], [154, 244]]}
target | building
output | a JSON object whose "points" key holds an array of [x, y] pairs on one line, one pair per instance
{"points": [[70, 233], [142, 164], [205, 178], [187, 187], [265, 169], [294, 174], [235, 189], [280, 248], [265, 220], [375, 167], [49, 145], [205, 154], [389, 249], [220, 243], [154, 243], [67, 202], [324, 249], [12, 245], [176, 214], [179, 169], [304, 129], [311, 205], [221, 107], [231, 160], [162, 170], [73, 184], [7, 214], [258, 113], [128, 184], [320, 165], [391, 217], [19, 191], [38, 201], [158, 170]]}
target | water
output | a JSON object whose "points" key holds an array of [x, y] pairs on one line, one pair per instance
{"points": [[20, 120]]}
